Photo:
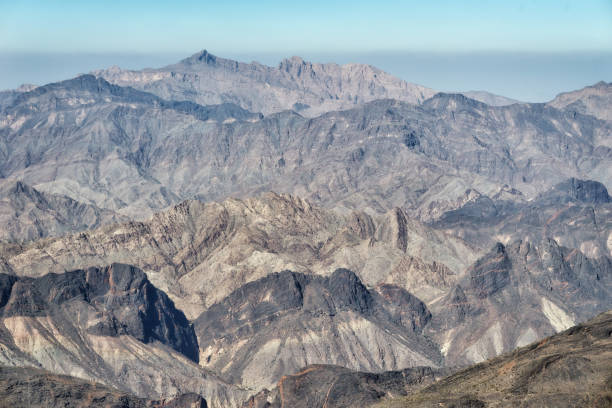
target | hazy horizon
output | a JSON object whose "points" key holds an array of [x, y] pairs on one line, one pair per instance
{"points": [[528, 77], [524, 49]]}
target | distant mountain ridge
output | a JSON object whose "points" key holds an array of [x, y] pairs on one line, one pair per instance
{"points": [[295, 84], [593, 100], [132, 152]]}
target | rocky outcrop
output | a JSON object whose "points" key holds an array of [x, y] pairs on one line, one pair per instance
{"points": [[108, 325], [285, 321], [125, 300], [338, 387], [569, 369]]}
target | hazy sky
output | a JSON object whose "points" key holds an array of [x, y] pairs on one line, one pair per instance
{"points": [[42, 40]]}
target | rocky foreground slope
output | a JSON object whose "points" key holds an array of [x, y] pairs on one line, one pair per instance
{"points": [[35, 388], [570, 369], [335, 387]]}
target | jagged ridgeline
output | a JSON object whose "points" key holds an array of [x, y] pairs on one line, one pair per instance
{"points": [[146, 262]]}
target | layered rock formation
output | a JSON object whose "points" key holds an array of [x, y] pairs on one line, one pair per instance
{"points": [[234, 242]]}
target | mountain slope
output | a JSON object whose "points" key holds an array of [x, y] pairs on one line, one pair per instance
{"points": [[34, 388], [283, 322], [338, 387], [575, 213], [569, 369], [108, 325], [296, 84], [591, 100], [184, 249], [131, 152], [515, 295], [490, 99], [27, 214]]}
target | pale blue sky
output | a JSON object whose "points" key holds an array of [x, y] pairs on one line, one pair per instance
{"points": [[489, 42], [289, 26]]}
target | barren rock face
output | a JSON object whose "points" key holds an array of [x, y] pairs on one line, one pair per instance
{"points": [[283, 322], [517, 294], [234, 242], [31, 387], [335, 386], [569, 369]]}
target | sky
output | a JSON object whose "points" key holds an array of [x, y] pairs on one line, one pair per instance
{"points": [[525, 49]]}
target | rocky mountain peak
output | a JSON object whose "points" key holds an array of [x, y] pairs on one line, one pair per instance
{"points": [[452, 101], [125, 301]]}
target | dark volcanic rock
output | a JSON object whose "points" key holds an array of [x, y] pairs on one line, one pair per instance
{"points": [[127, 302]]}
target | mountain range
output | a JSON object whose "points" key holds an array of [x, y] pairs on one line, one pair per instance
{"points": [[229, 234]]}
